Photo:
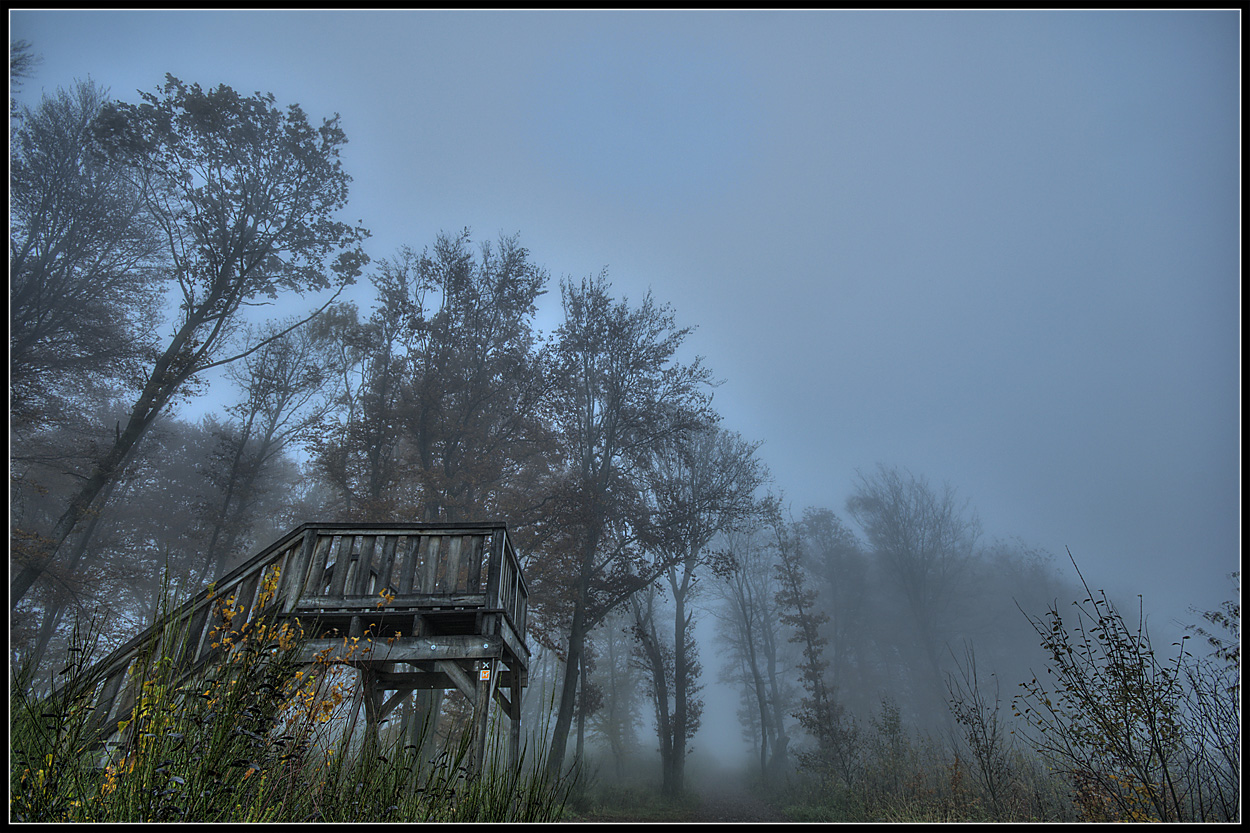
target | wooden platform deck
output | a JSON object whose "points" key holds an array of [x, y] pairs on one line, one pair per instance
{"points": [[441, 606]]}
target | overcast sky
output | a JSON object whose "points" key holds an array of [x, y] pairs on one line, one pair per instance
{"points": [[999, 249]]}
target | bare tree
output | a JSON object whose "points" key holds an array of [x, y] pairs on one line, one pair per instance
{"points": [[616, 721], [924, 539], [287, 386], [701, 484], [656, 660], [839, 570], [22, 62], [751, 626]]}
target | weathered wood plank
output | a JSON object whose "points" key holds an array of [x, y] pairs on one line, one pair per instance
{"points": [[196, 634], [295, 570], [415, 542], [515, 645], [411, 601], [442, 571], [342, 561], [364, 565], [424, 649], [387, 565], [462, 680], [316, 582], [451, 579], [429, 677], [494, 562], [430, 563]]}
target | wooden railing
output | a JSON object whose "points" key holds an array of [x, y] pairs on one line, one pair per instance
{"points": [[393, 571], [410, 568]]}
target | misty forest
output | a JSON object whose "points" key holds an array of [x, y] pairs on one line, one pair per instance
{"points": [[699, 648]]}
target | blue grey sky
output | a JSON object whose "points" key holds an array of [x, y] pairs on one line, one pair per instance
{"points": [[999, 249]]}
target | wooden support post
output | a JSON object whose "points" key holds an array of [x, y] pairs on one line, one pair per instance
{"points": [[514, 729], [407, 718], [373, 708], [488, 674], [295, 571], [425, 710], [358, 699]]}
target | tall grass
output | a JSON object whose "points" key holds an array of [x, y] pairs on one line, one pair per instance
{"points": [[249, 739], [902, 776], [1113, 732]]}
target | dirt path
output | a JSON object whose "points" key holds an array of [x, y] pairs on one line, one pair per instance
{"points": [[728, 797], [712, 796]]}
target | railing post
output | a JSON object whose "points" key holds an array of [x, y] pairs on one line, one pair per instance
{"points": [[295, 572], [497, 539], [342, 565], [430, 545], [451, 578], [364, 565], [386, 568]]}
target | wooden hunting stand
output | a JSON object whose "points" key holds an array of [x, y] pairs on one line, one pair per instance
{"points": [[411, 606]]}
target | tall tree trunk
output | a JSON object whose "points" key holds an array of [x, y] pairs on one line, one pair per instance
{"points": [[215, 557], [55, 609], [89, 495], [580, 754], [761, 696], [681, 679], [644, 628], [160, 387], [781, 740], [572, 663]]}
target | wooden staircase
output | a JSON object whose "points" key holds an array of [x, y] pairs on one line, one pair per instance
{"points": [[446, 601]]}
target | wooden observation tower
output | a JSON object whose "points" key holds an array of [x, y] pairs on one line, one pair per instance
{"points": [[444, 604]]}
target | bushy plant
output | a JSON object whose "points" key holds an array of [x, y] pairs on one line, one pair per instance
{"points": [[904, 776], [1141, 738], [48, 767], [897, 775], [1009, 783], [251, 738]]}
